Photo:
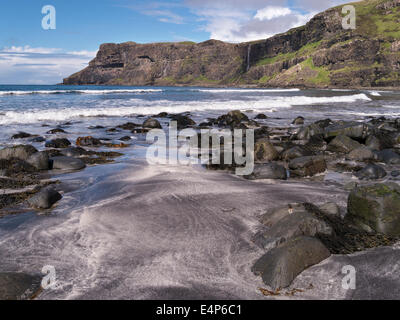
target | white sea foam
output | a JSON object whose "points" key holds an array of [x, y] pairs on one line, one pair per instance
{"points": [[245, 90], [109, 91], [124, 107]]}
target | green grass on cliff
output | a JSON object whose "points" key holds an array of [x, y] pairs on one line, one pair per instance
{"points": [[323, 73]]}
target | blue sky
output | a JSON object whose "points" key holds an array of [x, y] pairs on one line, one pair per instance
{"points": [[31, 55]]}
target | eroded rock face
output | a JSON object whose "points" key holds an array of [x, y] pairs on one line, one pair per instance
{"points": [[280, 266], [376, 207]]}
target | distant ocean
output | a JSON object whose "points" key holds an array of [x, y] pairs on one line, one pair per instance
{"points": [[27, 108]]}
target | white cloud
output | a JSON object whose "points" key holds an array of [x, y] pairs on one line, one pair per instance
{"points": [[29, 65], [272, 12]]}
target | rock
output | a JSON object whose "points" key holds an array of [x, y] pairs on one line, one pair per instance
{"points": [[395, 173], [67, 163], [306, 133], [40, 160], [269, 171], [88, 142], [373, 143], [388, 156], [74, 152], [128, 126], [371, 172], [377, 207], [45, 198], [183, 121], [264, 151], [298, 121], [295, 152], [161, 115], [307, 166], [361, 154], [281, 265], [96, 127], [37, 139], [355, 130], [302, 223], [125, 138], [15, 166], [343, 144], [56, 130], [330, 208], [232, 119], [152, 123], [22, 152], [261, 116], [21, 135], [18, 286], [58, 143]]}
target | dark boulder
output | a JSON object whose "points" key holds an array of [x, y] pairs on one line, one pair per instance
{"points": [[305, 133], [361, 154], [343, 144], [37, 139], [45, 198], [376, 207], [40, 160], [298, 121], [371, 172], [264, 151], [232, 119], [269, 171], [74, 152], [21, 135], [307, 166], [88, 142], [22, 152], [152, 123], [58, 143], [56, 130], [128, 126], [295, 152], [182, 121], [67, 163], [355, 130], [18, 286], [261, 116], [388, 156], [280, 266]]}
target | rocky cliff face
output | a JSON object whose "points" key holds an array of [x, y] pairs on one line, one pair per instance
{"points": [[319, 54]]}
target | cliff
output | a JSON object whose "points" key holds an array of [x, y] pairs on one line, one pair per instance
{"points": [[319, 54]]}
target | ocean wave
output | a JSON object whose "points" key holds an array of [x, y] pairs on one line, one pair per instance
{"points": [[134, 106], [233, 90], [106, 91]]}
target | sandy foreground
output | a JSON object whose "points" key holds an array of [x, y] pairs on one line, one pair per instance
{"points": [[163, 232]]}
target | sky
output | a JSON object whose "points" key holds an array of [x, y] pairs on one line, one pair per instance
{"points": [[30, 54]]}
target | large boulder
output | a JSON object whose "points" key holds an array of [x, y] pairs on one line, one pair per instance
{"points": [[305, 133], [58, 143], [302, 223], [361, 154], [21, 135], [22, 152], [269, 171], [182, 121], [40, 160], [298, 121], [307, 166], [18, 286], [152, 123], [295, 152], [352, 129], [232, 119], [280, 266], [88, 142], [388, 156], [371, 172], [343, 144], [45, 198], [264, 151], [67, 163], [274, 215], [376, 207]]}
